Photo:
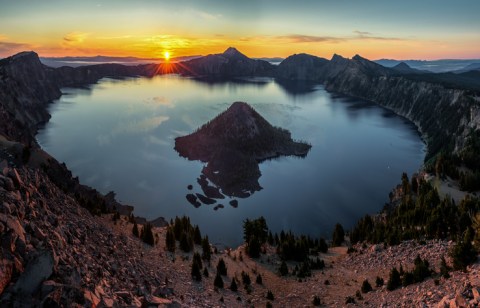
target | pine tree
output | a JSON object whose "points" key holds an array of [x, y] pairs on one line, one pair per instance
{"points": [[198, 259], [186, 243], [135, 229], [233, 285], [283, 269], [246, 279], [444, 268], [259, 279], [197, 236], [393, 280], [218, 282], [366, 286], [206, 251], [221, 267], [196, 274], [170, 240], [147, 235], [338, 235]]}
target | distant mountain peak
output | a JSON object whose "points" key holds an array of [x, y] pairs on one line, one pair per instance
{"points": [[359, 58], [337, 58], [25, 54], [402, 66], [232, 52]]}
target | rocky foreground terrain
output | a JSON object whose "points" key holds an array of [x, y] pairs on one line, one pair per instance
{"points": [[55, 253]]}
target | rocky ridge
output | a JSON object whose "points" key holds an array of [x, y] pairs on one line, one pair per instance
{"points": [[230, 63]]}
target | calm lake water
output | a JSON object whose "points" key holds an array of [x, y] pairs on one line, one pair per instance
{"points": [[119, 135]]}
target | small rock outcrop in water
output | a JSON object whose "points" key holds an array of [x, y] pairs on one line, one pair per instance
{"points": [[232, 145]]}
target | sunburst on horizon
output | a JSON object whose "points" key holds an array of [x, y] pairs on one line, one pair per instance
{"points": [[166, 55]]}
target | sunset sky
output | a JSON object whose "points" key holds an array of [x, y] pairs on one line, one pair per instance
{"points": [[408, 29]]}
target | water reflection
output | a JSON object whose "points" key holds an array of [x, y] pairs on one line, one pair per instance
{"points": [[226, 174]]}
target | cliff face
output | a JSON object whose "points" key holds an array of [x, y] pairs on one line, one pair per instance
{"points": [[443, 116], [26, 90], [28, 86], [443, 112]]}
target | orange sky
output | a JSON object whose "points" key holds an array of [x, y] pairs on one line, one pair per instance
{"points": [[374, 29]]}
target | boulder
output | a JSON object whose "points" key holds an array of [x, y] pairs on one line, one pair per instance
{"points": [[6, 272], [476, 293], [151, 300], [17, 180], [39, 269], [458, 302], [12, 223]]}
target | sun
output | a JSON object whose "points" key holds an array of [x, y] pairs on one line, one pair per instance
{"points": [[166, 55]]}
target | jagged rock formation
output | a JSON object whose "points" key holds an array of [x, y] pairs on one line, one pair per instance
{"points": [[230, 63], [233, 144]]}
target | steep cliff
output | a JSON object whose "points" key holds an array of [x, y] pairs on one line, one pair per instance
{"points": [[444, 116], [26, 89], [442, 106]]}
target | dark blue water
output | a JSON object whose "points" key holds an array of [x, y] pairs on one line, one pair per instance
{"points": [[119, 135]]}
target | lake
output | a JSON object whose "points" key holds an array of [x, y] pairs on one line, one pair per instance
{"points": [[119, 135]]}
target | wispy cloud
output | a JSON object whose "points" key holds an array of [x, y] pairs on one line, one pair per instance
{"points": [[208, 16], [74, 38], [364, 35], [357, 35], [299, 38], [10, 48], [121, 37]]}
